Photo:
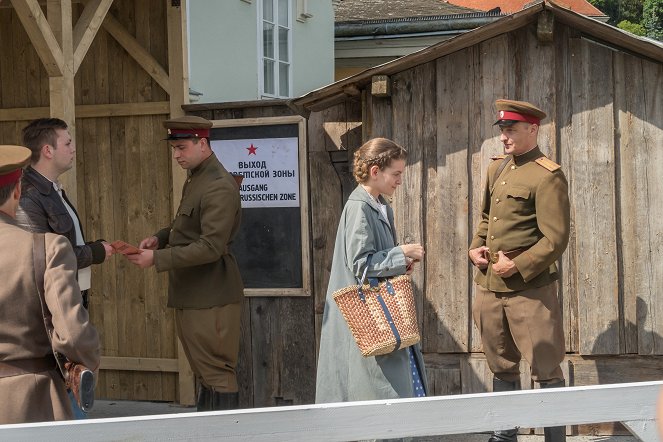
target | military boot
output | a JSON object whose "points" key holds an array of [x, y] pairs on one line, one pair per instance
{"points": [[225, 401], [204, 402], [554, 434], [510, 435]]}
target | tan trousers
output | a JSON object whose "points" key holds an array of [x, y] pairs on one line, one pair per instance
{"points": [[210, 338], [527, 323]]}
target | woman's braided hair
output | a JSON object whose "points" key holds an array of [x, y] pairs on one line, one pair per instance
{"points": [[375, 152]]}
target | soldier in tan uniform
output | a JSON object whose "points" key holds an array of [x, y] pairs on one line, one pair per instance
{"points": [[31, 387], [205, 285], [524, 230]]}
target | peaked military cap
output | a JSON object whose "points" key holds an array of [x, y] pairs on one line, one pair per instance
{"points": [[187, 127], [12, 161], [510, 112]]}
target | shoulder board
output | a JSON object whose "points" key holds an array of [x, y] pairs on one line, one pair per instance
{"points": [[498, 157], [547, 163]]}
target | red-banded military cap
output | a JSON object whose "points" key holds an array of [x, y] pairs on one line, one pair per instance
{"points": [[12, 161], [510, 112], [187, 127]]}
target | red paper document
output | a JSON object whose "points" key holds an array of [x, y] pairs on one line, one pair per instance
{"points": [[125, 248]]}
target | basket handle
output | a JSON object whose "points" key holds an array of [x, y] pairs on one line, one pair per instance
{"points": [[363, 278]]}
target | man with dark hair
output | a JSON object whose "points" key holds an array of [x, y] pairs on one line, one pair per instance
{"points": [[205, 285], [44, 206], [524, 230], [31, 388]]}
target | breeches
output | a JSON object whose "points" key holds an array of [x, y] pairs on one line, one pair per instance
{"points": [[210, 338], [527, 323]]}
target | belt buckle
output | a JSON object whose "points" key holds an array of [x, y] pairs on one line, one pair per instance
{"points": [[494, 257]]}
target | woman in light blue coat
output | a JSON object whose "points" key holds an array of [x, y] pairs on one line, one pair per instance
{"points": [[367, 228]]}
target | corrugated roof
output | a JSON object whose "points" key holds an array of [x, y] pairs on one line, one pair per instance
{"points": [[350, 87], [360, 10], [511, 6]]}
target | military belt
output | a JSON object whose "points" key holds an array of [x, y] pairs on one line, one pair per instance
{"points": [[26, 366]]}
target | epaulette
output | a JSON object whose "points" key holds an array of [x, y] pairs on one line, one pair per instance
{"points": [[498, 157], [547, 163]]}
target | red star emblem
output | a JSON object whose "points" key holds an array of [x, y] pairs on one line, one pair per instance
{"points": [[252, 149]]}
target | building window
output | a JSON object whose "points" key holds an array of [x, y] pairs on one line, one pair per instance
{"points": [[276, 44]]}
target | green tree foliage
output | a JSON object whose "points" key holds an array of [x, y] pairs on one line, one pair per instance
{"points": [[652, 18], [633, 28], [636, 16], [620, 10]]}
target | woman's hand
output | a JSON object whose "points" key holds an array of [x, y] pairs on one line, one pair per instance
{"points": [[413, 251]]}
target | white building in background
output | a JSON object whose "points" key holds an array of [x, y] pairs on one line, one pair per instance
{"points": [[243, 50]]}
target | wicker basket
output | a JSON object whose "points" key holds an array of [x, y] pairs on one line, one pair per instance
{"points": [[381, 315]]}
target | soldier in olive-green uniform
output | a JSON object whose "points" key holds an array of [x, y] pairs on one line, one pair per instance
{"points": [[524, 230], [205, 285]]}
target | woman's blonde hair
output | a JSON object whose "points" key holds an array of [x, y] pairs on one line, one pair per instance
{"points": [[375, 152]]}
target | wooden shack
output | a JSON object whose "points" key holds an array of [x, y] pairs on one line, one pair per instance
{"points": [[603, 91], [601, 87]]}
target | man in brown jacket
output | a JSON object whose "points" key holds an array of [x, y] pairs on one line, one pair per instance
{"points": [[523, 231], [31, 388], [205, 285]]}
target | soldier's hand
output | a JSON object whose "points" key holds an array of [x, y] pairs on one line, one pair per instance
{"points": [[504, 267], [142, 260], [478, 257], [150, 243]]}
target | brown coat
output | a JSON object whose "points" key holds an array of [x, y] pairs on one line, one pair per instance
{"points": [[195, 249], [526, 208], [39, 396]]}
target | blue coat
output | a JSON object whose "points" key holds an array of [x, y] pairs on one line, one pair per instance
{"points": [[343, 373]]}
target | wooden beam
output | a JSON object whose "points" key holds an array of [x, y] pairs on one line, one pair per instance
{"points": [[61, 87], [87, 27], [137, 52], [138, 364], [90, 111], [381, 86], [545, 26], [179, 95], [41, 35]]}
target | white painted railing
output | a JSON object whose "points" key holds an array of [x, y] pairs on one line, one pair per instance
{"points": [[633, 404]]}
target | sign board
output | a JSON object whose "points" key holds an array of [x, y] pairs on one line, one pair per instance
{"points": [[272, 245]]}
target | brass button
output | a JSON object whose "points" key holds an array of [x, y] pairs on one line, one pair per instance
{"points": [[494, 218], [492, 237], [513, 167], [503, 182], [497, 200], [189, 180]]}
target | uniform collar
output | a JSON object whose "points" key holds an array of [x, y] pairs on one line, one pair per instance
{"points": [[203, 165], [528, 156], [6, 219]]}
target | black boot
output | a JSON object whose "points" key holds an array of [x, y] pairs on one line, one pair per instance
{"points": [[554, 434], [225, 401], [204, 402], [510, 435]]}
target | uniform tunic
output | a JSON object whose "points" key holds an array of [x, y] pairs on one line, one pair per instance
{"points": [[525, 209], [40, 396], [205, 285], [343, 373]]}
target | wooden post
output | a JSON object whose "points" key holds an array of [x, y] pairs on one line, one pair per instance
{"points": [[178, 73], [61, 88]]}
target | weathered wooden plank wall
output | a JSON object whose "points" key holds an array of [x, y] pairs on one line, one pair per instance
{"points": [[123, 191], [605, 128]]}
